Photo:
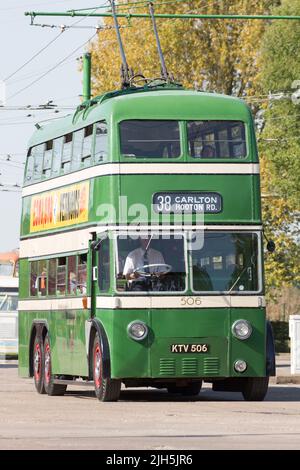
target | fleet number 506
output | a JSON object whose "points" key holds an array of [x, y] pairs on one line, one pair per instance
{"points": [[190, 301]]}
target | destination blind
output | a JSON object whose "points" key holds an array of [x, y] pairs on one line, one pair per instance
{"points": [[188, 202]]}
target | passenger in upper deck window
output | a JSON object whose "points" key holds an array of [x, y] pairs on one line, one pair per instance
{"points": [[208, 152]]}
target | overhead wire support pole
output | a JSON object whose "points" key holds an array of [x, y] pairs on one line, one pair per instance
{"points": [[125, 70], [34, 14], [164, 70]]}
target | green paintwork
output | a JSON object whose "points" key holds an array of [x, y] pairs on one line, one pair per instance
{"points": [[241, 205]]}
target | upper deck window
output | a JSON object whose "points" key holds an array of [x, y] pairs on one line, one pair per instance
{"points": [[38, 153], [87, 145], [150, 139], [29, 167], [48, 158], [101, 144], [216, 139], [57, 154], [77, 149], [67, 151]]}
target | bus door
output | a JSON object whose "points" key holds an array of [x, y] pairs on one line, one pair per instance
{"points": [[101, 271]]}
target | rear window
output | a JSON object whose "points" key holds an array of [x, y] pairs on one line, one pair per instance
{"points": [[150, 139], [216, 139]]}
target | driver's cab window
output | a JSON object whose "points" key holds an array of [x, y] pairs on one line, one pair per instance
{"points": [[154, 263]]}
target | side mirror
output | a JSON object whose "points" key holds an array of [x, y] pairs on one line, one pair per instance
{"points": [[271, 246], [95, 245]]}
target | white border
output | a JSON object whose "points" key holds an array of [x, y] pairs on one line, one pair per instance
{"points": [[144, 302], [179, 301], [54, 304], [143, 169]]}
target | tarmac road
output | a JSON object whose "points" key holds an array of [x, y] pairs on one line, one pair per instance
{"points": [[145, 419]]}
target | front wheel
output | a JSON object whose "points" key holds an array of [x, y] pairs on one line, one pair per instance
{"points": [[255, 388], [106, 389], [51, 388]]}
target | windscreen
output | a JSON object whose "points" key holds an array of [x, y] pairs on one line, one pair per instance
{"points": [[150, 139], [151, 264], [226, 262]]}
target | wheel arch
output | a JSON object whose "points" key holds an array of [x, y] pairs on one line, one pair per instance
{"points": [[38, 328], [97, 327]]}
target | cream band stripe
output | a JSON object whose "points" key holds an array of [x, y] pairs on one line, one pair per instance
{"points": [[143, 169]]}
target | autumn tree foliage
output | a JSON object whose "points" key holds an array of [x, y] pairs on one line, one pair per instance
{"points": [[244, 58], [214, 55]]}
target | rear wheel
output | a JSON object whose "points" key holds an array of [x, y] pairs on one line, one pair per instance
{"points": [[255, 388], [106, 389], [38, 362], [191, 390], [51, 388]]}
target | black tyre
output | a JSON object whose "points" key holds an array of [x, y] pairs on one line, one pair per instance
{"points": [[191, 390], [38, 364], [106, 389], [50, 388], [255, 388]]}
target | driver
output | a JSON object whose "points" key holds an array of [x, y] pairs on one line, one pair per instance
{"points": [[141, 257]]}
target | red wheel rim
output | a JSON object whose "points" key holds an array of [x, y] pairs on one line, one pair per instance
{"points": [[97, 366], [47, 363], [37, 362]]}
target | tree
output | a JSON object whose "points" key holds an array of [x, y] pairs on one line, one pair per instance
{"points": [[280, 147], [218, 55]]}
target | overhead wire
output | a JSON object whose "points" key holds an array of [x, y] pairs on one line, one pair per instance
{"points": [[60, 62], [33, 57], [52, 68]]}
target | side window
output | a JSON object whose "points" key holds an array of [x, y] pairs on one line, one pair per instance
{"points": [[52, 276], [57, 154], [77, 149], [61, 275], [104, 266], [47, 158], [101, 143], [87, 146], [33, 278], [82, 274], [67, 152], [29, 167], [72, 275], [39, 278], [38, 155]]}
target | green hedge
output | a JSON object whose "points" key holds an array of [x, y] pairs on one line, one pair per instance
{"points": [[281, 336]]}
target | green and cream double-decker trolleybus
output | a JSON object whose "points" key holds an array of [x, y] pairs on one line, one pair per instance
{"points": [[141, 257]]}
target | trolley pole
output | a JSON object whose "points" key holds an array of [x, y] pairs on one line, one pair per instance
{"points": [[86, 63]]}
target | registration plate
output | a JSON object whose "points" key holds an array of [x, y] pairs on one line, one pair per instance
{"points": [[189, 348]]}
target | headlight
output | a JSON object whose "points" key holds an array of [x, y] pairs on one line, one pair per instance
{"points": [[137, 330], [242, 329], [240, 365]]}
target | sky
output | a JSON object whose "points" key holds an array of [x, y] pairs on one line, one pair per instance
{"points": [[19, 43]]}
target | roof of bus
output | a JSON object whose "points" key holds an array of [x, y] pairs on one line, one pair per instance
{"points": [[9, 257], [160, 104]]}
